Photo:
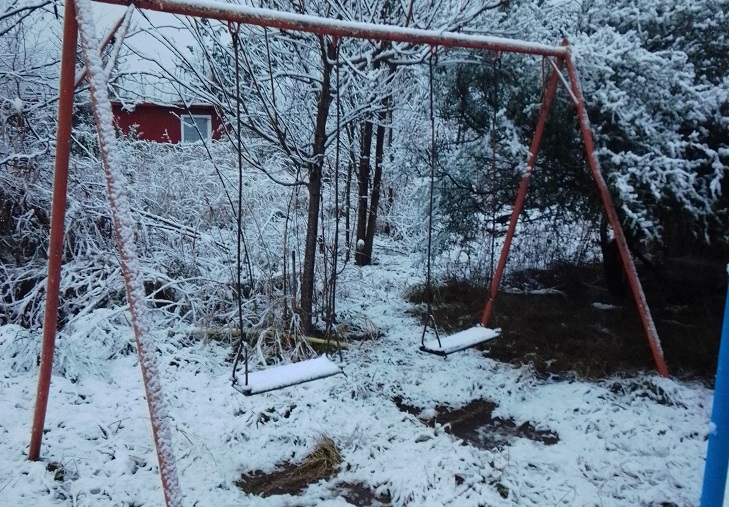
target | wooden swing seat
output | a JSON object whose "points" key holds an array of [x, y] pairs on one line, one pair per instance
{"points": [[459, 341], [280, 377]]}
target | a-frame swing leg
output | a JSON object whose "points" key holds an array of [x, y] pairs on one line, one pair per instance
{"points": [[67, 84], [58, 214], [521, 194], [128, 259], [643, 310], [575, 92]]}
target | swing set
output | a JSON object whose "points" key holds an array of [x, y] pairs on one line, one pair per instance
{"points": [[556, 58]]}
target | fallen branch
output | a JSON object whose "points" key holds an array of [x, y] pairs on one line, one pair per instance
{"points": [[221, 332]]}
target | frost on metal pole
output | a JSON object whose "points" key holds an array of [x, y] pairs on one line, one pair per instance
{"points": [[124, 230], [118, 31], [58, 211], [269, 18], [717, 456]]}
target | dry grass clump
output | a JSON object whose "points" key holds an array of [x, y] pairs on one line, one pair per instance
{"points": [[324, 459], [320, 464]]}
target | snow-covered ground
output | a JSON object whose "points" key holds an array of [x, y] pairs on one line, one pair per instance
{"points": [[622, 442]]}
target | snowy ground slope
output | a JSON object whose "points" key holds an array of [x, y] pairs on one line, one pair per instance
{"points": [[629, 442]]}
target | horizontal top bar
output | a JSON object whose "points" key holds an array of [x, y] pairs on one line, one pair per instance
{"points": [[324, 26]]}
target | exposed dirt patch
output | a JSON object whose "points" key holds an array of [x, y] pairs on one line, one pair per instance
{"points": [[475, 424], [57, 470], [293, 478], [577, 327], [361, 495]]}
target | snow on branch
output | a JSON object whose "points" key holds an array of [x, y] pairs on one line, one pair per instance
{"points": [[124, 228]]}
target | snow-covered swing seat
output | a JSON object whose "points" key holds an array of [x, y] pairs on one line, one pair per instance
{"points": [[442, 346], [287, 375]]}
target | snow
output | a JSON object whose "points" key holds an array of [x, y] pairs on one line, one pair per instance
{"points": [[620, 444], [287, 375], [604, 306], [459, 341]]}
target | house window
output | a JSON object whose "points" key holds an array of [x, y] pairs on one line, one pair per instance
{"points": [[196, 127]]}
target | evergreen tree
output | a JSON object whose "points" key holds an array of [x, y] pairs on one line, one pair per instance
{"points": [[655, 81]]}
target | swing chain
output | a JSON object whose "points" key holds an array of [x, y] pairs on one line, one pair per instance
{"points": [[429, 318], [242, 347], [331, 316], [495, 76]]}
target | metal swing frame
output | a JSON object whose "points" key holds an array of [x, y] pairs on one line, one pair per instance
{"points": [[558, 58]]}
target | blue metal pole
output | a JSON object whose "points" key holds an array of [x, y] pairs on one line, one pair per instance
{"points": [[717, 457]]}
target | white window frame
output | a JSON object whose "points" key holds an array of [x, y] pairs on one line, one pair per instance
{"points": [[185, 120]]}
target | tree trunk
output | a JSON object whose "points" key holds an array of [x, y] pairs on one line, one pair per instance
{"points": [[351, 157], [363, 177], [390, 191], [315, 172], [348, 212], [376, 188], [615, 277]]}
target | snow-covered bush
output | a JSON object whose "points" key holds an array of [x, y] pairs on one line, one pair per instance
{"points": [[655, 81], [654, 75]]}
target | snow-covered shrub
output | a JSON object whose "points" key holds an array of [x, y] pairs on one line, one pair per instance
{"points": [[654, 78], [185, 235], [18, 348]]}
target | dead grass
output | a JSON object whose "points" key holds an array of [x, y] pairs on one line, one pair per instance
{"points": [[320, 464], [324, 459]]}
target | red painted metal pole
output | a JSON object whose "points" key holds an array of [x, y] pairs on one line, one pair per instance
{"points": [[521, 194], [645, 314], [326, 26], [58, 216]]}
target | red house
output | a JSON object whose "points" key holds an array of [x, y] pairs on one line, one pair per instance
{"points": [[169, 123]]}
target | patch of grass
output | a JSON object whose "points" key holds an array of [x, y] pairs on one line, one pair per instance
{"points": [[453, 289], [644, 388], [457, 304], [324, 459]]}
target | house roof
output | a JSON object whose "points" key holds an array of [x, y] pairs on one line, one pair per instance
{"points": [[132, 105], [134, 89]]}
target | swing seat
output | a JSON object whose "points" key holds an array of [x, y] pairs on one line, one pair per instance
{"points": [[280, 377], [459, 341]]}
